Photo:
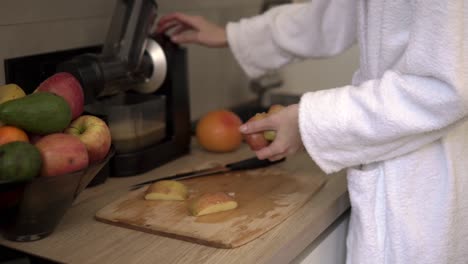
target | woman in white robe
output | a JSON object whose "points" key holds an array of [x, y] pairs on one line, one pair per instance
{"points": [[400, 129]]}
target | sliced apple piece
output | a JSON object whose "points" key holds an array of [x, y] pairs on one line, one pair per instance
{"points": [[270, 135], [168, 190], [210, 203]]}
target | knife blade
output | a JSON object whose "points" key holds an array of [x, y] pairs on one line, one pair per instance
{"points": [[247, 164]]}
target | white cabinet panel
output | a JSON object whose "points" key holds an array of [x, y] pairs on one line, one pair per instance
{"points": [[330, 247]]}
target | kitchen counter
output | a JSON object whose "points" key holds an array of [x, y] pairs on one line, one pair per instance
{"points": [[81, 239]]}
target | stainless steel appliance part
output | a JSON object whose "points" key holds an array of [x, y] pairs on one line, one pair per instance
{"points": [[139, 84], [130, 59]]}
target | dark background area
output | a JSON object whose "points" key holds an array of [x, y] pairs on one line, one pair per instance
{"points": [[10, 256]]}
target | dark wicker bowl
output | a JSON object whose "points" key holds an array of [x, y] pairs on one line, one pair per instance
{"points": [[31, 210]]}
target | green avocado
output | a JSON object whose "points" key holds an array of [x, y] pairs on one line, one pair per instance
{"points": [[39, 113], [19, 161]]}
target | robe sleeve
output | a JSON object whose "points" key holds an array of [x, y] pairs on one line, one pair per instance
{"points": [[408, 107], [319, 28]]}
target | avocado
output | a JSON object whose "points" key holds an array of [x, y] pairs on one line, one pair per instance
{"points": [[39, 113], [19, 161]]}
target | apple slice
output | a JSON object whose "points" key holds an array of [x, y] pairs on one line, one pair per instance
{"points": [[210, 203], [270, 135], [168, 190]]}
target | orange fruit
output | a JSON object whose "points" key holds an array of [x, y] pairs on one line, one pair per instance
{"points": [[10, 133], [218, 131]]}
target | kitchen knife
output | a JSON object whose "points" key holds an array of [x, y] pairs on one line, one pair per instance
{"points": [[247, 164]]}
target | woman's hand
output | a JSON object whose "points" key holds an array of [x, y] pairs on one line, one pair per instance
{"points": [[285, 123], [184, 28]]}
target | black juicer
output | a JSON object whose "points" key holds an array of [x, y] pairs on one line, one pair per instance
{"points": [[138, 83]]}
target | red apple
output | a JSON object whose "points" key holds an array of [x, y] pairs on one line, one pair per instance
{"points": [[67, 86], [94, 133], [61, 154], [256, 141]]}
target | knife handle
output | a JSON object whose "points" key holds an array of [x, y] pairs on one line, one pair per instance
{"points": [[252, 163]]}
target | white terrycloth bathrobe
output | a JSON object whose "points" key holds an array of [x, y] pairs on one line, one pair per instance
{"points": [[400, 129]]}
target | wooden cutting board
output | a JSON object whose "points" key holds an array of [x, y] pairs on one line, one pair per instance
{"points": [[266, 197]]}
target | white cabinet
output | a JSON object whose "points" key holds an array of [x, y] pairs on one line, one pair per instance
{"points": [[329, 247]]}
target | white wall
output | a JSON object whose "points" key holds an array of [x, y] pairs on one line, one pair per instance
{"points": [[318, 74]]}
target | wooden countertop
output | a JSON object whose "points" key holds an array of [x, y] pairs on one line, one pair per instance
{"points": [[81, 239]]}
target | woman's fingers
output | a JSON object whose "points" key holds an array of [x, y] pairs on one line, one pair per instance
{"points": [[189, 36], [166, 18], [164, 28], [192, 29], [165, 24], [258, 126], [276, 157], [274, 150], [166, 21], [277, 150], [179, 29], [180, 33]]}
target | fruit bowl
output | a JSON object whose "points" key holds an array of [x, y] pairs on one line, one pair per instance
{"points": [[31, 210]]}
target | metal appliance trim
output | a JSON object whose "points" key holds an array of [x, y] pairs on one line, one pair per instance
{"points": [[158, 74]]}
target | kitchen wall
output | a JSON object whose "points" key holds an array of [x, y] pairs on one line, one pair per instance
{"points": [[318, 74], [216, 80], [29, 27]]}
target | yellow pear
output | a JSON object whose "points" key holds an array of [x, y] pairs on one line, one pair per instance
{"points": [[9, 92]]}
